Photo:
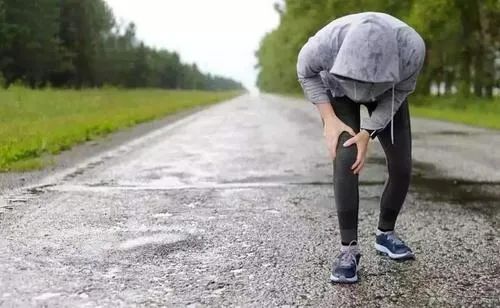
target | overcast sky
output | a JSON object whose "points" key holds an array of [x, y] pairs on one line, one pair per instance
{"points": [[221, 36]]}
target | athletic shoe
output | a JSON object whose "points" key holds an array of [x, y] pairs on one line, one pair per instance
{"points": [[388, 243], [345, 268]]}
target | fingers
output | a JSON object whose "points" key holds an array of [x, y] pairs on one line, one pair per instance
{"points": [[361, 153], [359, 158], [351, 141], [359, 167], [349, 130], [333, 148]]}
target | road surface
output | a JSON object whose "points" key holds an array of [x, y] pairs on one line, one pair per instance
{"points": [[233, 206]]}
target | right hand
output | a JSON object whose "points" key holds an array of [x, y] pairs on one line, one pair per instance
{"points": [[332, 130]]}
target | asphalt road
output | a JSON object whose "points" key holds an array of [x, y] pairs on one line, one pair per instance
{"points": [[232, 206]]}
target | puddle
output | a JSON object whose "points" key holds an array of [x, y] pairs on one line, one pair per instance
{"points": [[102, 183], [451, 133], [427, 183], [283, 180], [417, 166], [478, 196], [38, 190], [482, 197], [162, 249], [376, 160], [259, 179], [318, 183], [23, 197]]}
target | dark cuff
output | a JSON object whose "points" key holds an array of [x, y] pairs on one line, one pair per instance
{"points": [[373, 133]]}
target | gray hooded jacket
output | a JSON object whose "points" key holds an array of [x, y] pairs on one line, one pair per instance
{"points": [[367, 57]]}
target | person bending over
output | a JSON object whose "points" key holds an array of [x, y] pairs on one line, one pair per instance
{"points": [[370, 59]]}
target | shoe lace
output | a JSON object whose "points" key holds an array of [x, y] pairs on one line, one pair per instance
{"points": [[348, 256], [395, 239]]}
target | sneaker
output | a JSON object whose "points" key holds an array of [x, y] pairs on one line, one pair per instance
{"points": [[345, 268], [388, 243]]}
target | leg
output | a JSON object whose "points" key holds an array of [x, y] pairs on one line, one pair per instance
{"points": [[398, 157], [345, 182]]}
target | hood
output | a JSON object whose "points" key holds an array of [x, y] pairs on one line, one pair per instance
{"points": [[359, 91], [369, 52]]}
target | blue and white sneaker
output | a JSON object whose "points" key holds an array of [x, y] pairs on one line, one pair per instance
{"points": [[388, 243], [345, 268]]}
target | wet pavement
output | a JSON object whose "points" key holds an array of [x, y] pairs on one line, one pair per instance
{"points": [[233, 206]]}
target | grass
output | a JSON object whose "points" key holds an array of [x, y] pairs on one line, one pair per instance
{"points": [[472, 111], [35, 124]]}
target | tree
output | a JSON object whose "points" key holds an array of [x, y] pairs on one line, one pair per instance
{"points": [[74, 43], [462, 37], [140, 71], [83, 30], [30, 48]]}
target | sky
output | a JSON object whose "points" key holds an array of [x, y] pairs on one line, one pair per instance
{"points": [[220, 36]]}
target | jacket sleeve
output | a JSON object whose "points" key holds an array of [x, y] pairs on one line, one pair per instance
{"points": [[309, 67], [384, 112]]}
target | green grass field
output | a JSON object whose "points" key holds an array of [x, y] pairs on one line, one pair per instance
{"points": [[35, 124], [472, 111]]}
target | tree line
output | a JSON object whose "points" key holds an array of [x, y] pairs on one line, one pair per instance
{"points": [[462, 39], [75, 43]]}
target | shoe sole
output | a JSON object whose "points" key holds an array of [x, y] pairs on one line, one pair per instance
{"points": [[394, 256], [343, 279]]}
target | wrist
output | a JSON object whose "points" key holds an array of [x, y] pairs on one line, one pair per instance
{"points": [[365, 133], [330, 118], [371, 132]]}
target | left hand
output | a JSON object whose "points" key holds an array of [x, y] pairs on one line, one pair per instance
{"points": [[361, 140]]}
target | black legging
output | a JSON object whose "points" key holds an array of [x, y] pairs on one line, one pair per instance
{"points": [[398, 157]]}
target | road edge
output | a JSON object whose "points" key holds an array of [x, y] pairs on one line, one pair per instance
{"points": [[84, 151]]}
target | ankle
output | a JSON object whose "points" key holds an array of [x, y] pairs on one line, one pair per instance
{"points": [[352, 246], [384, 231]]}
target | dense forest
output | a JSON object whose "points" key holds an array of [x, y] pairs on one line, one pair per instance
{"points": [[75, 44], [462, 38]]}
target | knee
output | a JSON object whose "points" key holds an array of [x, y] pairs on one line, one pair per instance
{"points": [[345, 157]]}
